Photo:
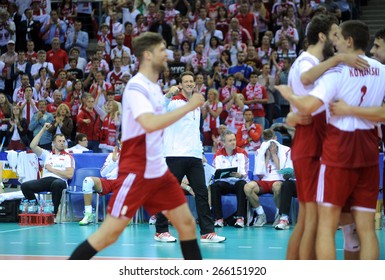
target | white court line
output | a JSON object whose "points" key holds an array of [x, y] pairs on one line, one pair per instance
{"points": [[125, 244], [68, 243], [157, 245], [15, 243], [275, 248], [245, 247], [20, 229], [43, 243]]}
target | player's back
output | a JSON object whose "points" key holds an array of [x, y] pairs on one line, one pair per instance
{"points": [[352, 141]]}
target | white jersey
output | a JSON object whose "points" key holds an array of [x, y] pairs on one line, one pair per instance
{"points": [[302, 64], [142, 151], [364, 88], [351, 142]]}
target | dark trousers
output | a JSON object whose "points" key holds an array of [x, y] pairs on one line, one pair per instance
{"points": [[47, 184], [192, 168], [288, 191], [220, 188]]}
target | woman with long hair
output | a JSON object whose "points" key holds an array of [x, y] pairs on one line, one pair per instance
{"points": [[166, 81], [74, 98], [40, 82], [187, 53], [62, 123], [110, 127], [262, 15], [214, 50], [45, 91], [211, 110], [226, 62], [5, 115], [68, 11], [17, 137], [222, 22]]}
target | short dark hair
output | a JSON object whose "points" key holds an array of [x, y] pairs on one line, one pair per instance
{"points": [[248, 110], [359, 31], [268, 134], [320, 24], [380, 34], [80, 137], [186, 73], [56, 136]]}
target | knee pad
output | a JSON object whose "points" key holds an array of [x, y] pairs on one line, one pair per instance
{"points": [[351, 241], [88, 185]]}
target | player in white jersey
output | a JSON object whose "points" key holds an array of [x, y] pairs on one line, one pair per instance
{"points": [[143, 176], [307, 144], [340, 108], [349, 172]]}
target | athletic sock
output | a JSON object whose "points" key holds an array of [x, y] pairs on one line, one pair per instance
{"points": [[88, 209], [83, 252], [260, 210], [190, 250]]}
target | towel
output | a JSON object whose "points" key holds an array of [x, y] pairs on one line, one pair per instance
{"points": [[283, 155]]}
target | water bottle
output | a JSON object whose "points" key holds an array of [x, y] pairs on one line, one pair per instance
{"points": [[23, 206], [32, 207], [48, 207]]}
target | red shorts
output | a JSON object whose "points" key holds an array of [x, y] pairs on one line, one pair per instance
{"points": [[108, 186], [265, 186], [354, 187], [155, 195], [306, 173]]}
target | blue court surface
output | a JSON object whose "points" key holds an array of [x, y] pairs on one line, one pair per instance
{"points": [[59, 240]]}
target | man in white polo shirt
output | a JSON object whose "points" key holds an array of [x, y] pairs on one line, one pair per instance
{"points": [[59, 167]]}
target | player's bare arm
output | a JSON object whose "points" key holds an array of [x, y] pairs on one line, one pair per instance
{"points": [[353, 60], [341, 108], [151, 122], [293, 119], [305, 104]]}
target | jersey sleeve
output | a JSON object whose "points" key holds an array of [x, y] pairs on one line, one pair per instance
{"points": [[137, 101], [326, 87]]}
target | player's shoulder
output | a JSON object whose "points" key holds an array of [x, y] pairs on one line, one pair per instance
{"points": [[138, 83]]}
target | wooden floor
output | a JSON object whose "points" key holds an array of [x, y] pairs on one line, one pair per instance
{"points": [[59, 240]]}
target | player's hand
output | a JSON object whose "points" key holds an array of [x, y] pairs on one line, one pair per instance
{"points": [[115, 154], [285, 91], [355, 61], [47, 126], [339, 108], [273, 148], [174, 90], [196, 100], [293, 119], [236, 174]]}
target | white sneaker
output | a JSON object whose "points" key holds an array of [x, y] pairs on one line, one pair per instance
{"points": [[276, 219], [261, 220], [218, 223], [152, 220], [251, 218], [164, 237], [88, 219], [212, 238], [239, 223], [282, 225]]}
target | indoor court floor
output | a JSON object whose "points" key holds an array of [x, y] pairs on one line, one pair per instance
{"points": [[59, 240]]}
